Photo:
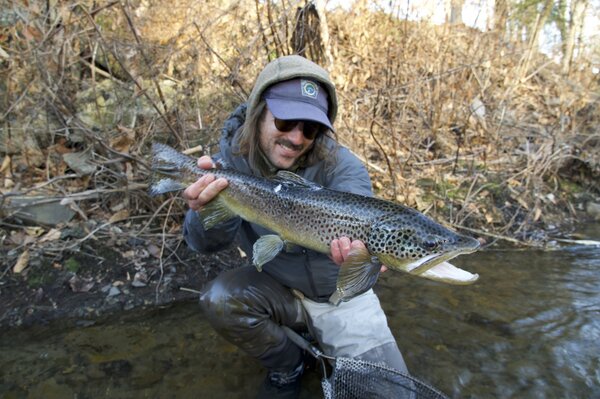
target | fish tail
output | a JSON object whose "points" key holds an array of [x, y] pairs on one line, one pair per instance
{"points": [[170, 168], [165, 185]]}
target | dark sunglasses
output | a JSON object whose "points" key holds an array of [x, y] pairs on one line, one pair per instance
{"points": [[311, 129]]}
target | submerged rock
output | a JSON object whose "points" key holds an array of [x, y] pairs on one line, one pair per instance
{"points": [[593, 209]]}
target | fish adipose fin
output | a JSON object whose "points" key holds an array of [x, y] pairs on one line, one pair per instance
{"points": [[357, 275], [214, 213], [265, 249], [291, 179]]}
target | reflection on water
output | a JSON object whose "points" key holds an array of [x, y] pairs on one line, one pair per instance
{"points": [[529, 328]]}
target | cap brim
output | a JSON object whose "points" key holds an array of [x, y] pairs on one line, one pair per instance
{"points": [[297, 110]]}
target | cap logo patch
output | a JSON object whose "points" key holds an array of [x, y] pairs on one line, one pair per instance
{"points": [[309, 88]]}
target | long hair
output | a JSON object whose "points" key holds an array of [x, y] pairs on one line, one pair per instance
{"points": [[250, 148]]}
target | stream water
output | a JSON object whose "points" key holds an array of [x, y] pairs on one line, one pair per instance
{"points": [[529, 328]]}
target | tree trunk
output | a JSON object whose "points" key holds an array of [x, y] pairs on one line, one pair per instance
{"points": [[456, 7], [575, 23], [501, 18], [324, 32], [535, 35]]}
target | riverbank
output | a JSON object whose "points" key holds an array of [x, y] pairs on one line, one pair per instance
{"points": [[97, 280]]}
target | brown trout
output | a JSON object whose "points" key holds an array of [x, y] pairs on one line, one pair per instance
{"points": [[304, 213]]}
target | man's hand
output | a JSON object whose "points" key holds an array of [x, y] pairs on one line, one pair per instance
{"points": [[205, 188], [341, 247]]}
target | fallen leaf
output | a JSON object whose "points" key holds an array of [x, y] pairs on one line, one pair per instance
{"points": [[128, 254], [3, 54], [119, 216], [5, 164], [22, 262], [52, 235], [537, 214], [34, 231]]}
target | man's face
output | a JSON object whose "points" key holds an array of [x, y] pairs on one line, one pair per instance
{"points": [[282, 148]]}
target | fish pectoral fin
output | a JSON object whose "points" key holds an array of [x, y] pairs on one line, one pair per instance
{"points": [[448, 273], [357, 275], [265, 249], [215, 212], [291, 179]]}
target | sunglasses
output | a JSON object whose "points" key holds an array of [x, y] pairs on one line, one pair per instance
{"points": [[311, 129]]}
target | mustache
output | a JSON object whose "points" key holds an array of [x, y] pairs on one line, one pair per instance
{"points": [[289, 144]]}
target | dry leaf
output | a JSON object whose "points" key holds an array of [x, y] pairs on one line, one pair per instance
{"points": [[537, 214], [8, 183], [22, 262], [52, 235], [4, 54], [119, 216], [5, 164], [34, 231]]}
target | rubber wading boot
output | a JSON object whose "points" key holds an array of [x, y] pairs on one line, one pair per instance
{"points": [[282, 384]]}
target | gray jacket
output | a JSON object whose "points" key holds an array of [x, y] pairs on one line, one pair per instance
{"points": [[310, 272]]}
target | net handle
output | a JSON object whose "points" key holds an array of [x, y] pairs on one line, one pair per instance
{"points": [[304, 344]]}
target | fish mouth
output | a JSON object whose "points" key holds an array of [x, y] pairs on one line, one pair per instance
{"points": [[422, 265]]}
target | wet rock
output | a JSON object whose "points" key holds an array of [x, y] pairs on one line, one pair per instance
{"points": [[593, 209], [50, 389], [140, 279], [80, 162], [114, 291], [117, 368], [135, 241], [79, 284], [36, 210]]}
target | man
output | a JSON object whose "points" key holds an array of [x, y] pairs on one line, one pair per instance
{"points": [[287, 124]]}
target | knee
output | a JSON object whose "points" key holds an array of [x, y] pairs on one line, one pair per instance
{"points": [[220, 296], [234, 298]]}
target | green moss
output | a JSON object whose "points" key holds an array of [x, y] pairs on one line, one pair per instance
{"points": [[72, 265], [36, 279], [571, 186]]}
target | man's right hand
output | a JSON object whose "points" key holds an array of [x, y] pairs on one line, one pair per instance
{"points": [[205, 188]]}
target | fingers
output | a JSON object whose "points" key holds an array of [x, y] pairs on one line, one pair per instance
{"points": [[206, 162], [205, 188], [336, 252], [341, 248]]}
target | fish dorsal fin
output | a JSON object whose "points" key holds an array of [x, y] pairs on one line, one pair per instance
{"points": [[288, 178]]}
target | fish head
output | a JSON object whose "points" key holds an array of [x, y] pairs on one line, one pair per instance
{"points": [[413, 243]]}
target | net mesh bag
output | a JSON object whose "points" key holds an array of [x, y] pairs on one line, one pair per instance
{"points": [[358, 379]]}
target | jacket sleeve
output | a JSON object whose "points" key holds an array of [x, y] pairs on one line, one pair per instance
{"points": [[212, 240]]}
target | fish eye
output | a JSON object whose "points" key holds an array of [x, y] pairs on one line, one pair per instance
{"points": [[430, 244]]}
